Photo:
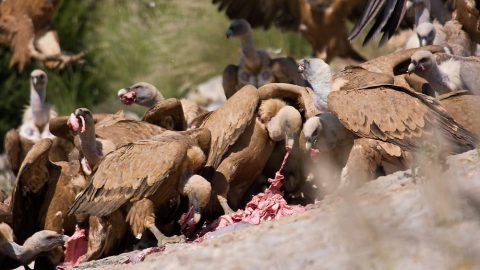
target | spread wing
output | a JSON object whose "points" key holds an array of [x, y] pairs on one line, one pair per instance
{"points": [[300, 97], [396, 115], [31, 188], [387, 14], [229, 121], [283, 13], [131, 172], [166, 111]]}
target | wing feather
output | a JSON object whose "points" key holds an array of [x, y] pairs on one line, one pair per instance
{"points": [[397, 115], [229, 121], [134, 171]]}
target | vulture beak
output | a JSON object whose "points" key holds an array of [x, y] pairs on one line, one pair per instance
{"points": [[229, 33], [76, 123], [290, 141], [34, 80], [127, 96], [411, 68], [197, 215], [301, 68], [308, 145], [423, 42], [65, 238]]}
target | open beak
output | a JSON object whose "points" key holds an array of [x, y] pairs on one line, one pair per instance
{"points": [[127, 96], [76, 123]]}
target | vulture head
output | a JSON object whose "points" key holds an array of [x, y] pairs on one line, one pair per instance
{"points": [[285, 125], [38, 80], [45, 240], [322, 133], [81, 120], [142, 93], [238, 28], [421, 62], [318, 75], [426, 33]]}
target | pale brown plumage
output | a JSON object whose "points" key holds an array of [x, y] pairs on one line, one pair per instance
{"points": [[464, 108], [27, 29], [322, 24], [168, 114], [13, 255], [229, 122], [400, 116], [255, 67], [43, 191], [142, 191], [466, 12], [298, 96]]}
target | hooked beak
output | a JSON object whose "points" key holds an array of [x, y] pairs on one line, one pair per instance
{"points": [[411, 68], [301, 68], [229, 33], [423, 42], [127, 96], [289, 141], [308, 146], [65, 238], [197, 215]]}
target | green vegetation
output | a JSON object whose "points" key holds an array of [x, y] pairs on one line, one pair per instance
{"points": [[171, 44]]}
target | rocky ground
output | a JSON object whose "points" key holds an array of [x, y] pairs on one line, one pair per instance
{"points": [[395, 222]]}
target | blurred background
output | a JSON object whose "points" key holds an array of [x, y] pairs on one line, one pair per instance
{"points": [[174, 45]]}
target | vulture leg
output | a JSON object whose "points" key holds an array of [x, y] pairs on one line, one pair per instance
{"points": [[141, 216], [285, 70], [362, 164], [230, 80]]}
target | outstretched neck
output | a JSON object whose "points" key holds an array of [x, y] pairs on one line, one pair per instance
{"points": [[422, 12], [88, 144], [40, 111], [319, 79], [250, 54], [20, 253]]}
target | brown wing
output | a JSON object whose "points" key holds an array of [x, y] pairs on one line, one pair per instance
{"points": [[21, 29], [132, 172], [464, 108], [58, 125], [466, 12], [285, 70], [397, 62], [165, 113], [13, 150], [229, 121], [399, 116], [230, 80], [284, 13], [298, 96], [130, 131], [30, 190]]}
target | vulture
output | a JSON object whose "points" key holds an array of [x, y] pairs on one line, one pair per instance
{"points": [[43, 192], [166, 114], [446, 73], [96, 140], [322, 24], [388, 14], [143, 184], [451, 36], [13, 255], [255, 66], [34, 124], [28, 30]]}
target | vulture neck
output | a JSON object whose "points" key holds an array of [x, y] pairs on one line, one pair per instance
{"points": [[23, 254], [422, 13], [40, 110], [249, 53], [156, 97], [319, 79], [439, 80], [88, 144]]}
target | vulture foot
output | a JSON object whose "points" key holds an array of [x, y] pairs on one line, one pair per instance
{"points": [[163, 240], [223, 202]]}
